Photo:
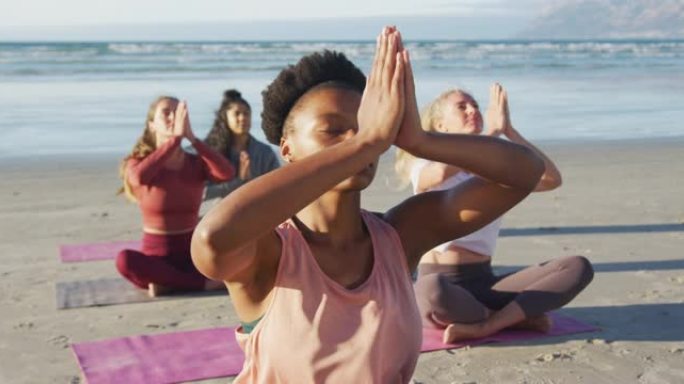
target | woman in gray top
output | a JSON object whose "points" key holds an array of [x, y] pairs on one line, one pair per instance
{"points": [[230, 137]]}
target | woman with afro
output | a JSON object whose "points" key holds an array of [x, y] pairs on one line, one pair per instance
{"points": [[323, 287]]}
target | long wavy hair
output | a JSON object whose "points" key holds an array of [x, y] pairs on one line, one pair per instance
{"points": [[220, 138], [430, 116], [145, 145]]}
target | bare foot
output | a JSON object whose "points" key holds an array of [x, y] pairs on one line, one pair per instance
{"points": [[155, 290], [458, 331], [541, 323]]}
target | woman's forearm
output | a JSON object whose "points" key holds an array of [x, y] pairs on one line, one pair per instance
{"points": [[260, 205], [217, 166], [499, 161], [551, 179], [141, 172]]}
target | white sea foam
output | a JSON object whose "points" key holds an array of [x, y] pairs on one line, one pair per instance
{"points": [[75, 97]]}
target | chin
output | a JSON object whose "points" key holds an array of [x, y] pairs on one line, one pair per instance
{"points": [[474, 130]]}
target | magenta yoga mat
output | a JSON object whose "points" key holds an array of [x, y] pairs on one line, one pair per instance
{"points": [[210, 353], [72, 253]]}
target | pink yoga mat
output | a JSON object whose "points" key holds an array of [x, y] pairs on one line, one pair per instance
{"points": [[162, 358], [210, 353], [71, 253], [562, 325]]}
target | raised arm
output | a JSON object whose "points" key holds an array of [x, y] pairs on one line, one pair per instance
{"points": [[499, 122], [237, 236], [433, 174], [508, 172], [216, 166], [143, 172]]}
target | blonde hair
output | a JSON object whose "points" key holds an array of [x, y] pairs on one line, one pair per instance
{"points": [[145, 145], [430, 116]]}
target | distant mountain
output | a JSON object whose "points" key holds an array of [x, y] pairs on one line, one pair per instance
{"points": [[612, 19]]}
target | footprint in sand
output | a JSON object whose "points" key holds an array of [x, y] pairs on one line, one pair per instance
{"points": [[643, 273], [677, 280], [677, 350], [555, 356], [61, 341], [652, 294], [24, 325], [162, 326], [598, 341]]}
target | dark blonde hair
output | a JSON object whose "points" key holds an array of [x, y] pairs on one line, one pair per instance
{"points": [[431, 115], [145, 145]]}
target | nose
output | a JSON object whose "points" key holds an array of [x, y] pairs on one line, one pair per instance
{"points": [[471, 109]]}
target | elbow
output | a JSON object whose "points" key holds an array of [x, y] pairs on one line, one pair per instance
{"points": [[556, 182], [549, 183], [205, 253], [228, 175], [222, 178], [134, 180], [535, 168]]}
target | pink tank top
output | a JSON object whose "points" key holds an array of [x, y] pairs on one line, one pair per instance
{"points": [[317, 331]]}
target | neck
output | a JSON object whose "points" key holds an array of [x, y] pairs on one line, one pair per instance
{"points": [[333, 218], [239, 142]]}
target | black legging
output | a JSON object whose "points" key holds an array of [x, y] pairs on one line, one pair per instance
{"points": [[463, 293]]}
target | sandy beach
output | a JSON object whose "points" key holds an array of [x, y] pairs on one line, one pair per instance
{"points": [[621, 205]]}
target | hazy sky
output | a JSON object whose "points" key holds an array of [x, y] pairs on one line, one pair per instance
{"points": [[206, 19], [80, 12]]}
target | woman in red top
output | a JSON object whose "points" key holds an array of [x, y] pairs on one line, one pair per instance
{"points": [[167, 183]]}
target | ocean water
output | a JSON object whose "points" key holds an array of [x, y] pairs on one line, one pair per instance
{"points": [[79, 98]]}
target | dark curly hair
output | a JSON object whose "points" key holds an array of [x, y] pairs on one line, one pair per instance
{"points": [[220, 137], [295, 80]]}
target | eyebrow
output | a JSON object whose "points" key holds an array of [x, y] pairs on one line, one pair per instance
{"points": [[466, 102], [332, 117]]}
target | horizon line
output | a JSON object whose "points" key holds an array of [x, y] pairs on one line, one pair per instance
{"points": [[351, 41]]}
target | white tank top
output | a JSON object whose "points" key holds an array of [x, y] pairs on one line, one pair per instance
{"points": [[482, 241]]}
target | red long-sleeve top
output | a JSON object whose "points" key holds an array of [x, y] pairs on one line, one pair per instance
{"points": [[169, 199]]}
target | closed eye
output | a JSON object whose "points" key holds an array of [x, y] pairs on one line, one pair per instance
{"points": [[334, 131]]}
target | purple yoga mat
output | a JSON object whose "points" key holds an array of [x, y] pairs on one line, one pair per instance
{"points": [[210, 353], [71, 253], [562, 325], [162, 358]]}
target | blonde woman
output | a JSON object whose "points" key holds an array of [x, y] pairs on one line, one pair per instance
{"points": [[456, 288], [167, 183]]}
